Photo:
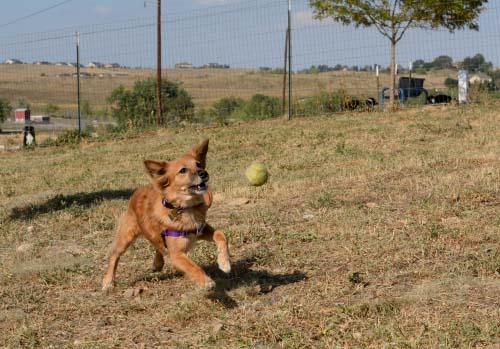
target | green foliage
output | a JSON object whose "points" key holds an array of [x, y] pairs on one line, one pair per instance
{"points": [[226, 106], [5, 109], [50, 108], [65, 138], [322, 103], [272, 71], [137, 107], [259, 107], [22, 102], [393, 18], [86, 109], [476, 63], [451, 83], [441, 62]]}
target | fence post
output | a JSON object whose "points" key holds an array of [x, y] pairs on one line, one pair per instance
{"points": [[284, 73], [158, 65]]}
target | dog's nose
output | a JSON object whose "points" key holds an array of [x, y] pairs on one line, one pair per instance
{"points": [[203, 175]]}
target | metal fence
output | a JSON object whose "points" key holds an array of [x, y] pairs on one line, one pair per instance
{"points": [[229, 50]]}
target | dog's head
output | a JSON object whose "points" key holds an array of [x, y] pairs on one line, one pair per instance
{"points": [[183, 180]]}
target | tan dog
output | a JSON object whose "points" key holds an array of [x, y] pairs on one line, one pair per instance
{"points": [[170, 212]]}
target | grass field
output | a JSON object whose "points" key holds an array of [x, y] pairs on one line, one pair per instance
{"points": [[40, 84], [375, 231]]}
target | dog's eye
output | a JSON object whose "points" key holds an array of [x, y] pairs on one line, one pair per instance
{"points": [[183, 170]]}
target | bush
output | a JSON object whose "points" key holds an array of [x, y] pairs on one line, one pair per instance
{"points": [[137, 107], [259, 107], [226, 106], [50, 109], [451, 83], [22, 102], [5, 109], [323, 103]]}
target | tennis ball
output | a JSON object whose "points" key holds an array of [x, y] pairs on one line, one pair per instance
{"points": [[257, 174]]}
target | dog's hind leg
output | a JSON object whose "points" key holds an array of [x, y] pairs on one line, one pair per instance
{"points": [[159, 261], [128, 229], [217, 236]]}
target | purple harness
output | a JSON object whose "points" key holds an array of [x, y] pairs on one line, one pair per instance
{"points": [[176, 233], [173, 215]]}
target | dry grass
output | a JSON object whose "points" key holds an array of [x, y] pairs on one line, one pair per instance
{"points": [[204, 85], [375, 231]]}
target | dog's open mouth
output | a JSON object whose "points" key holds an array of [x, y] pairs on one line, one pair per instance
{"points": [[199, 188]]}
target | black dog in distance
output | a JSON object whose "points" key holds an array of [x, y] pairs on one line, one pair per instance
{"points": [[438, 99]]}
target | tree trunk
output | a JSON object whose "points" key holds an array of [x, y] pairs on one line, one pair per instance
{"points": [[392, 88]]}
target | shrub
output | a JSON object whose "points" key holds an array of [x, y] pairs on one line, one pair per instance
{"points": [[50, 109], [451, 83], [5, 109], [259, 107], [86, 109], [226, 106], [22, 102], [323, 103], [137, 107]]}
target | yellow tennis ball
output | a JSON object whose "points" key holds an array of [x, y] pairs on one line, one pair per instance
{"points": [[257, 174]]}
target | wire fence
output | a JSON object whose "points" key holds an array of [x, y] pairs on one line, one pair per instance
{"points": [[235, 50]]}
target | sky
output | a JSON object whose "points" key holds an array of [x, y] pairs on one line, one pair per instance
{"points": [[241, 33]]}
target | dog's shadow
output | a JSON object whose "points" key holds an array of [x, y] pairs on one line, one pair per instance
{"points": [[61, 202], [241, 274]]}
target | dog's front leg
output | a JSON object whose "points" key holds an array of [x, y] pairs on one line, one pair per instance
{"points": [[217, 236], [182, 262]]}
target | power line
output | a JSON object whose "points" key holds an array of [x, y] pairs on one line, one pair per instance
{"points": [[34, 13]]}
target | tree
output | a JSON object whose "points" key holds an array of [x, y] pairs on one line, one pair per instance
{"points": [[476, 63], [442, 62], [137, 106], [5, 109], [392, 18]]}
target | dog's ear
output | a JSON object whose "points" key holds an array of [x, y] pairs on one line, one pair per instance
{"points": [[157, 171], [200, 153]]}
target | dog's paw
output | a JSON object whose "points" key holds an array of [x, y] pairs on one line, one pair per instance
{"points": [[208, 284], [224, 264], [107, 285]]}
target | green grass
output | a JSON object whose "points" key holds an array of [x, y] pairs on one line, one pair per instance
{"points": [[374, 231]]}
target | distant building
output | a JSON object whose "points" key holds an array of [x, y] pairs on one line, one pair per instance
{"points": [[22, 116], [94, 65], [42, 63], [61, 63], [12, 61], [74, 65], [216, 66], [184, 65], [112, 65], [479, 78]]}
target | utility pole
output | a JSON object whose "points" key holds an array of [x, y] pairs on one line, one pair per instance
{"points": [[290, 111], [158, 65]]}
